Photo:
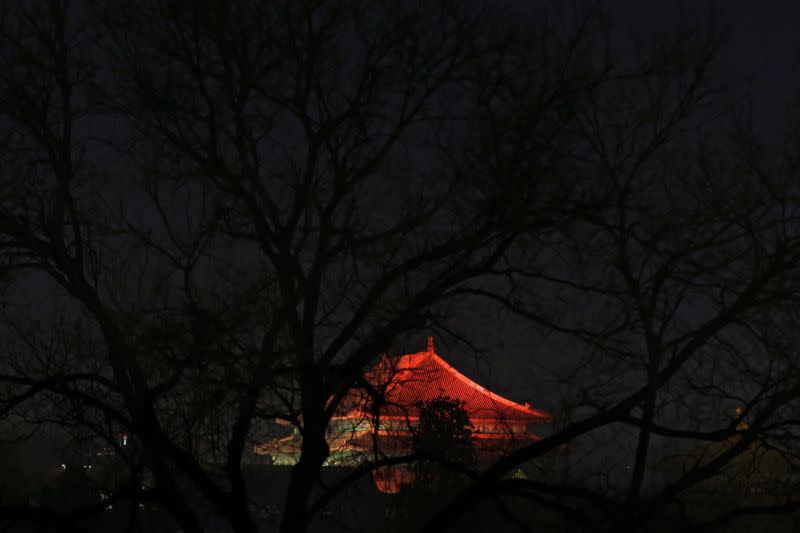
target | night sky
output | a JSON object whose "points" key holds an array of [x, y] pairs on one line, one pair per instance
{"points": [[763, 53]]}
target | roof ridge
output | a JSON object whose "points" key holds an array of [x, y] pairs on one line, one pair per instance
{"points": [[418, 357]]}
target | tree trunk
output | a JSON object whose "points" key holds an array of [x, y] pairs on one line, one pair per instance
{"points": [[305, 475]]}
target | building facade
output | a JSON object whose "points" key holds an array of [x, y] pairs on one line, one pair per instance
{"points": [[377, 419]]}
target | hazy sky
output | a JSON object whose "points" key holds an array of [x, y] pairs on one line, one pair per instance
{"points": [[763, 48], [764, 42]]}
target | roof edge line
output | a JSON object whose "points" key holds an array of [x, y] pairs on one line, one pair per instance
{"points": [[492, 395]]}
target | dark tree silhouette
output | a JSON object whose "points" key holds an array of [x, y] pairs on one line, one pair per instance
{"points": [[214, 216], [234, 208], [444, 430], [444, 436]]}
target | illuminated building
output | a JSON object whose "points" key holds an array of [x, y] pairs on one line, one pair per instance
{"points": [[377, 419]]}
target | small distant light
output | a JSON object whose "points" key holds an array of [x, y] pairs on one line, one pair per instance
{"points": [[63, 466]]}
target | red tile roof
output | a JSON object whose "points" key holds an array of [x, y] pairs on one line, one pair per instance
{"points": [[425, 376]]}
